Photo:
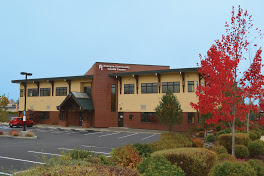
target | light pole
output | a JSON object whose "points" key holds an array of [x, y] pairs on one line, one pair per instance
{"points": [[25, 106]]}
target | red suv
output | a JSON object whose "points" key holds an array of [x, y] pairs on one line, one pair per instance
{"points": [[18, 121]]}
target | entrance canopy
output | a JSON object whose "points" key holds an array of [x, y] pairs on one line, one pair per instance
{"points": [[81, 99]]}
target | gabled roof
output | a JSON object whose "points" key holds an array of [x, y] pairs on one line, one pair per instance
{"points": [[82, 99], [194, 69], [54, 78]]}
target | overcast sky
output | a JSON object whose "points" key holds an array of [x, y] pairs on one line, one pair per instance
{"points": [[53, 38]]}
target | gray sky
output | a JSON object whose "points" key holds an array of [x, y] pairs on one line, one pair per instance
{"points": [[64, 38]]}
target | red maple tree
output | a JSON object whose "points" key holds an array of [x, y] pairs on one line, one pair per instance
{"points": [[223, 94]]}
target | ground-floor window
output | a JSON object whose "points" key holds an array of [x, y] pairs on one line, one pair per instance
{"points": [[190, 117], [148, 117], [44, 115]]}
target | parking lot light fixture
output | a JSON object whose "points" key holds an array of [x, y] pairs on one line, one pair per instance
{"points": [[25, 105]]}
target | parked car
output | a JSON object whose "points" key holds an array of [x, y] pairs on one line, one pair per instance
{"points": [[18, 121]]}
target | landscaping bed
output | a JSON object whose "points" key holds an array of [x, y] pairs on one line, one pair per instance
{"points": [[20, 135]]}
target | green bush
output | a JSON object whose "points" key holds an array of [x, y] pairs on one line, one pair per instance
{"points": [[220, 133], [241, 151], [81, 154], [225, 156], [105, 160], [256, 148], [171, 140], [143, 149], [201, 134], [232, 168], [193, 161], [219, 149], [258, 166], [210, 138], [218, 128], [226, 140], [157, 167], [227, 130], [253, 136], [257, 133]]}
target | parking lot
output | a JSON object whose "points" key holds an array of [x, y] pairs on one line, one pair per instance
{"points": [[19, 154]]}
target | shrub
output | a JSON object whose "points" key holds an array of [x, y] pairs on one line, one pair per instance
{"points": [[200, 129], [1, 132], [157, 167], [225, 156], [80, 154], [219, 149], [256, 148], [258, 166], [197, 142], [171, 140], [227, 130], [210, 138], [253, 136], [220, 133], [241, 151], [143, 149], [218, 128], [257, 133], [13, 133], [226, 140], [126, 156], [104, 159], [201, 134], [232, 168], [193, 161], [30, 134]]}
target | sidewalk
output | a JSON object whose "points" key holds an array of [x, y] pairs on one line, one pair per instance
{"points": [[110, 129]]}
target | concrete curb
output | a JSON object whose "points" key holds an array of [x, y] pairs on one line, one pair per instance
{"points": [[19, 137]]}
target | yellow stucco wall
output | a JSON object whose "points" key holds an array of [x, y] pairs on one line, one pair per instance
{"points": [[50, 103], [133, 102]]}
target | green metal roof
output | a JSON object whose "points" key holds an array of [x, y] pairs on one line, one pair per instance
{"points": [[82, 99], [195, 69], [54, 78]]}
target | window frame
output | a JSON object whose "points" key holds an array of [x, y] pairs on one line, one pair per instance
{"points": [[113, 97], [44, 92], [44, 114], [34, 92], [149, 88], [148, 117], [174, 86], [130, 87], [191, 118], [61, 91], [190, 86], [21, 94]]}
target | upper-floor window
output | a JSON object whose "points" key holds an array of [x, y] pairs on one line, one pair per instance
{"points": [[129, 88], [172, 86], [32, 92], [149, 88], [21, 92], [61, 91], [44, 91], [190, 86]]}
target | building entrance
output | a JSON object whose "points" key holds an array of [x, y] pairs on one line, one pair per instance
{"points": [[120, 119]]}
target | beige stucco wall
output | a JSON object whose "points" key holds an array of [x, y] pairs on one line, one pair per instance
{"points": [[133, 102], [41, 103]]}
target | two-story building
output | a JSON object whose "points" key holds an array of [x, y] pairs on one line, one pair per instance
{"points": [[111, 95]]}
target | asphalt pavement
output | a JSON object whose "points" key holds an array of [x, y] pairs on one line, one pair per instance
{"points": [[20, 154]]}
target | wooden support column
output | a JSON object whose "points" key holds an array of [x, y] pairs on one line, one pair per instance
{"points": [[69, 83], [136, 78], [37, 83], [119, 78], [183, 80], [52, 87], [200, 78], [159, 84]]}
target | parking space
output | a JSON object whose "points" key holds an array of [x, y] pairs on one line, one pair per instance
{"points": [[19, 154]]}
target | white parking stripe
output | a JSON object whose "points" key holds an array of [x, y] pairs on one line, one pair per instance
{"points": [[2, 173], [88, 150], [148, 137], [94, 133], [127, 136], [44, 153], [94, 147], [21, 160], [109, 134]]}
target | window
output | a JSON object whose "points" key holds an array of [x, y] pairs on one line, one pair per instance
{"points": [[32, 92], [88, 90], [44, 91], [129, 88], [21, 92], [149, 88], [113, 97], [190, 86], [173, 86], [148, 117], [61, 91], [190, 117], [43, 115]]}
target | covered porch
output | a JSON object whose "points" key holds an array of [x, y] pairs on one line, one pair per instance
{"points": [[76, 109]]}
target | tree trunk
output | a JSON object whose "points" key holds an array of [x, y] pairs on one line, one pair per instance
{"points": [[233, 137], [248, 123]]}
